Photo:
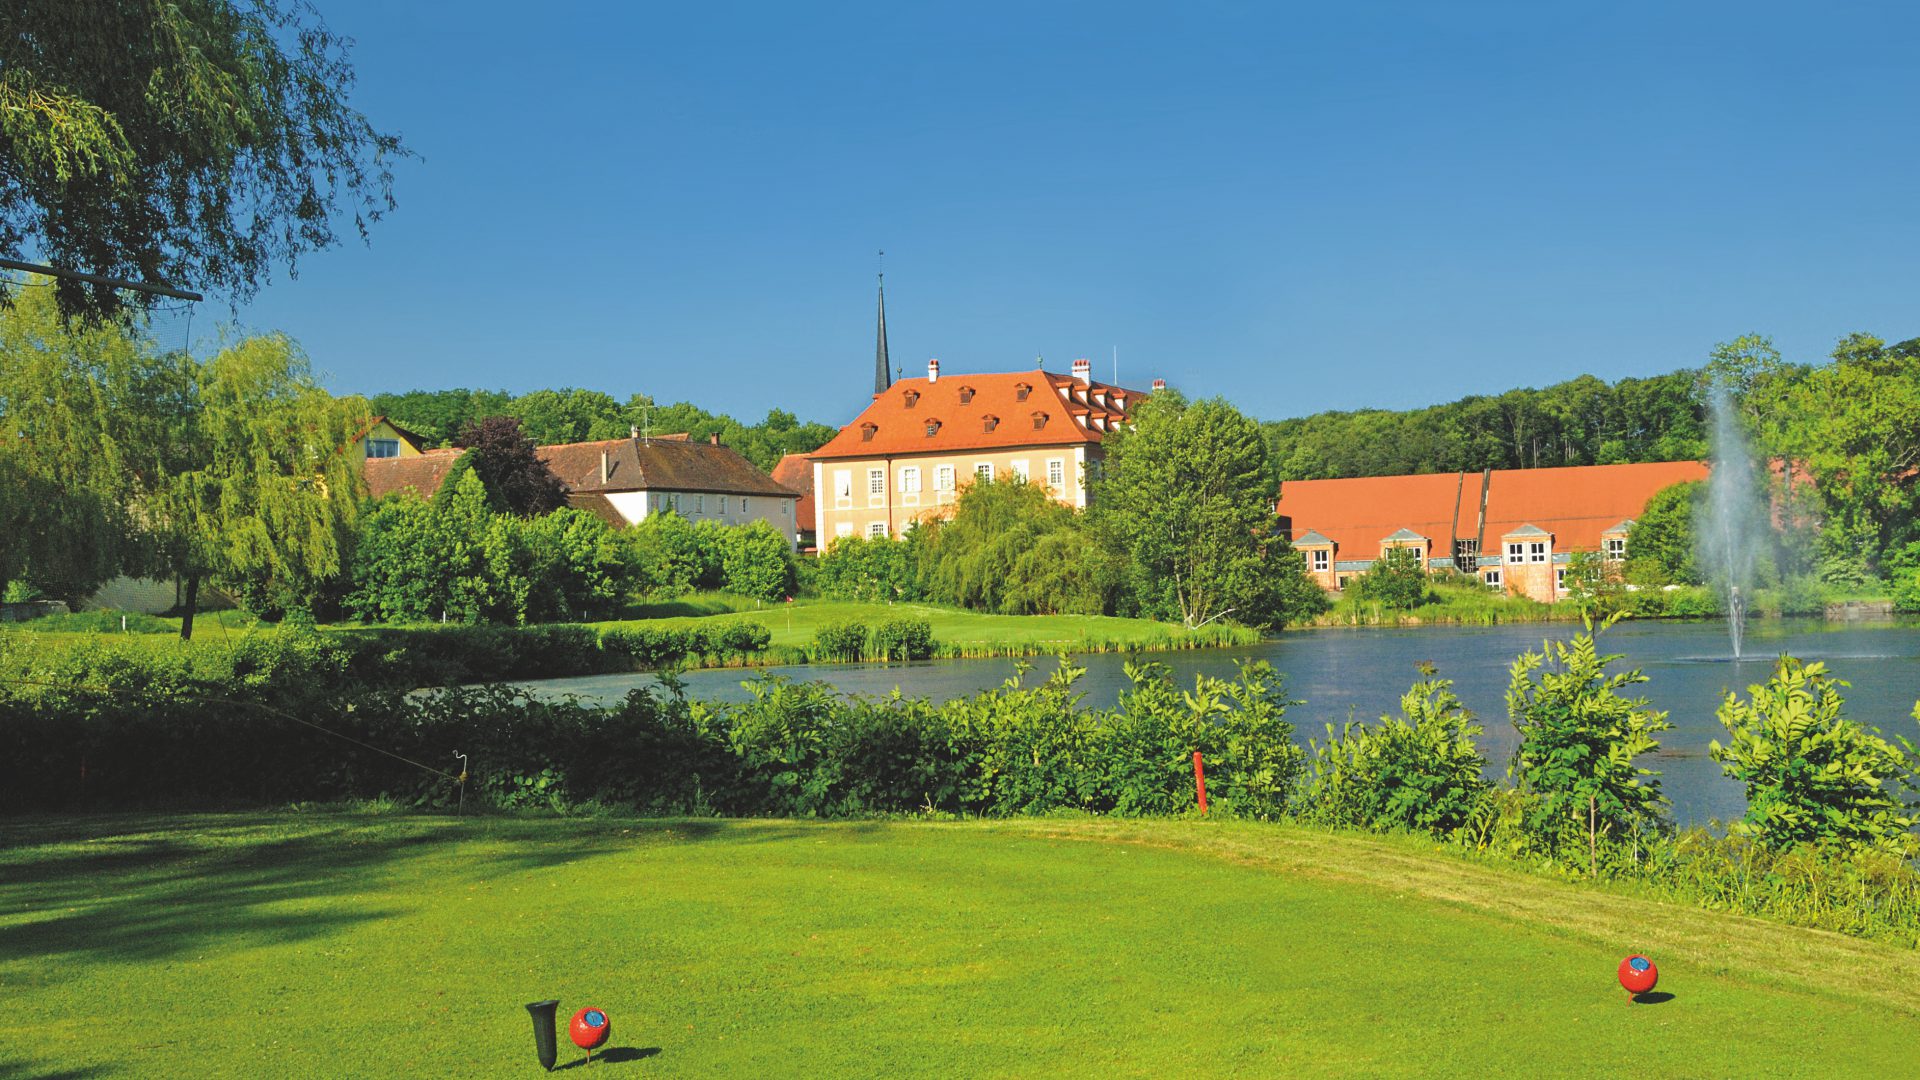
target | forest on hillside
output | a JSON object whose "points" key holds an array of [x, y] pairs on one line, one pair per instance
{"points": [[574, 415]]}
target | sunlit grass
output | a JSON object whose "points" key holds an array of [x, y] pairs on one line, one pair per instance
{"points": [[349, 944]]}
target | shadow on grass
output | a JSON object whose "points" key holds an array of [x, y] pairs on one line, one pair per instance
{"points": [[1653, 997], [33, 1070], [612, 1056], [143, 888]]}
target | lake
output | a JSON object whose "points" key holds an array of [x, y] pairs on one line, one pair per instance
{"points": [[1362, 673]]}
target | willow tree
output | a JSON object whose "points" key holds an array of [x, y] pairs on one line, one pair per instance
{"points": [[200, 141], [259, 487], [81, 407]]}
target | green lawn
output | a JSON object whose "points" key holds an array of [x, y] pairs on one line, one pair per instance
{"points": [[954, 629], [356, 945]]}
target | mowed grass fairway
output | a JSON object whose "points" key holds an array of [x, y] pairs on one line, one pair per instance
{"points": [[358, 945]]}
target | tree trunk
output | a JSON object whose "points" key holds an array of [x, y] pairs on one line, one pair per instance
{"points": [[186, 607]]}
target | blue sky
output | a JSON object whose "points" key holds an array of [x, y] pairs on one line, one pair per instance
{"points": [[1297, 206]]}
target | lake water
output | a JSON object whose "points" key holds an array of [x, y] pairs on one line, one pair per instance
{"points": [[1361, 674]]}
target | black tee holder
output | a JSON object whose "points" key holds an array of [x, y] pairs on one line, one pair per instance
{"points": [[543, 1032]]}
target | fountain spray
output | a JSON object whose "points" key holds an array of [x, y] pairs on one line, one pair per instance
{"points": [[1731, 528]]}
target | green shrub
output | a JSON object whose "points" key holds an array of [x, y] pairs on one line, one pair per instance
{"points": [[840, 641], [1579, 740], [1419, 770], [1812, 776], [1397, 579], [903, 639]]}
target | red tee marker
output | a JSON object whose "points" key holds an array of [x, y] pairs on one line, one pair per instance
{"points": [[1638, 975]]}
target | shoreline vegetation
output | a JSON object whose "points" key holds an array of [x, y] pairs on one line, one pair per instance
{"points": [[721, 630]]}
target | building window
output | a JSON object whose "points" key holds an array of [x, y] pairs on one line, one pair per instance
{"points": [[699, 504], [1020, 391], [876, 481], [943, 478], [1516, 553], [1493, 579], [984, 470], [1019, 470], [1466, 555], [866, 432], [1057, 472], [1616, 547], [383, 448], [1340, 583], [991, 422], [1039, 420], [843, 529], [1320, 558], [786, 508], [933, 428], [910, 480], [876, 530], [1537, 551], [843, 487], [966, 394], [1560, 579], [912, 396], [743, 504]]}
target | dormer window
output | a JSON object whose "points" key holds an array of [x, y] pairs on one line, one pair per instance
{"points": [[867, 430], [933, 428], [911, 396], [1039, 420], [992, 422], [1020, 391], [966, 394]]}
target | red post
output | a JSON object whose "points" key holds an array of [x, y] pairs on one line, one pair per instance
{"points": [[1200, 781]]}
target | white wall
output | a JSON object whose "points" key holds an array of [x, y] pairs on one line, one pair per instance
{"points": [[777, 511]]}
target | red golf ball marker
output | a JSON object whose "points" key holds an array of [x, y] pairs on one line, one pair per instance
{"points": [[589, 1029], [1638, 975]]}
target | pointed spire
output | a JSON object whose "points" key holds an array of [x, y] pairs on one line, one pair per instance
{"points": [[882, 373]]}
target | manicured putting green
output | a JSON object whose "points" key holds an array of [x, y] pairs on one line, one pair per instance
{"points": [[354, 945]]}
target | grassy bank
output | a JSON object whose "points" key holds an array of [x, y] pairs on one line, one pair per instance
{"points": [[327, 944], [1452, 605], [957, 632]]}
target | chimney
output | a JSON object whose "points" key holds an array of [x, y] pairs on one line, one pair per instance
{"points": [[605, 468], [714, 438], [1159, 385], [1083, 370], [933, 371]]}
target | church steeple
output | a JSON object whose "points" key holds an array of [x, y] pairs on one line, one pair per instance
{"points": [[882, 371]]}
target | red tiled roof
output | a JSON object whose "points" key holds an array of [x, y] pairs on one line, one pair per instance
{"points": [[421, 475], [1576, 504], [662, 463], [796, 472], [1057, 410]]}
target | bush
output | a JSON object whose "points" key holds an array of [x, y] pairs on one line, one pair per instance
{"points": [[1579, 739], [903, 639], [1419, 770], [757, 562], [840, 641], [1812, 776], [875, 570], [1397, 580]]}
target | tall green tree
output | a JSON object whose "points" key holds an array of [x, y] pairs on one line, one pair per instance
{"points": [[197, 141], [254, 482], [86, 411], [1186, 495]]}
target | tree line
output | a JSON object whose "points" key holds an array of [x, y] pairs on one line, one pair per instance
{"points": [[572, 415]]}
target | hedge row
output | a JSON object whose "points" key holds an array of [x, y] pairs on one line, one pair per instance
{"points": [[393, 657], [794, 750]]}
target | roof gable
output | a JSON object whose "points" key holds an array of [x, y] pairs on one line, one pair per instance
{"points": [[660, 464], [1405, 534]]}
